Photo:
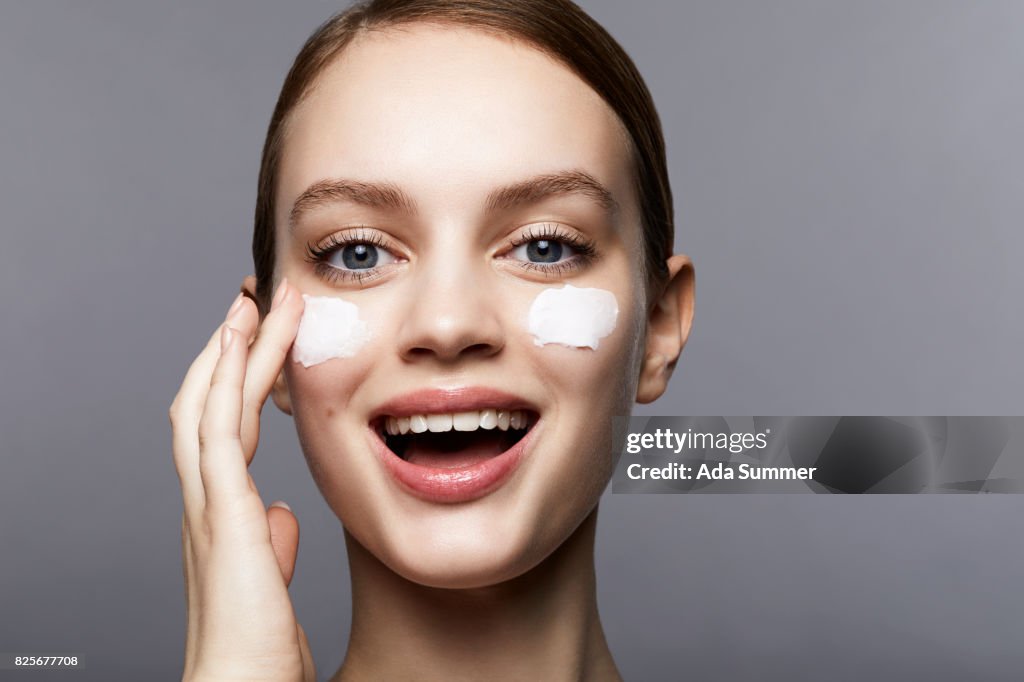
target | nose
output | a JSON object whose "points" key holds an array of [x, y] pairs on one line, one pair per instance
{"points": [[451, 316]]}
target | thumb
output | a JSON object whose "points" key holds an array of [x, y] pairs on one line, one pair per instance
{"points": [[284, 538]]}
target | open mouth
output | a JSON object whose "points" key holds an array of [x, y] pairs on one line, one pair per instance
{"points": [[454, 440]]}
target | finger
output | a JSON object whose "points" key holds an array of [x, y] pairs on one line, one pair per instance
{"points": [[284, 538], [191, 593], [266, 359], [221, 463], [308, 665], [246, 319], [191, 395], [185, 412]]}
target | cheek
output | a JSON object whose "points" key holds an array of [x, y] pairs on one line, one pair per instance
{"points": [[331, 356], [321, 396], [324, 390], [572, 317], [585, 339], [343, 339], [330, 328], [590, 386]]}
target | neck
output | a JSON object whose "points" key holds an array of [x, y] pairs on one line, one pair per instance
{"points": [[542, 625]]}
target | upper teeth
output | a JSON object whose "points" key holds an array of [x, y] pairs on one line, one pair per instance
{"points": [[460, 421]]}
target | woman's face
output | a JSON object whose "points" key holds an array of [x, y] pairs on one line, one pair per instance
{"points": [[457, 175]]}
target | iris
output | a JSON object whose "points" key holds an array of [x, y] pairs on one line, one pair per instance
{"points": [[359, 256], [544, 251]]}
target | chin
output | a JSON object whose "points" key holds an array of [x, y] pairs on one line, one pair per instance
{"points": [[462, 548]]}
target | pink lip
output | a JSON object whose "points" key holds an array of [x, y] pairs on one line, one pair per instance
{"points": [[436, 400], [454, 484]]}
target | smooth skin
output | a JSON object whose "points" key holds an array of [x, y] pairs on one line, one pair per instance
{"points": [[238, 557], [502, 588]]}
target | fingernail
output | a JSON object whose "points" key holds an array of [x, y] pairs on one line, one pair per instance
{"points": [[280, 504], [282, 291], [226, 337], [235, 306]]}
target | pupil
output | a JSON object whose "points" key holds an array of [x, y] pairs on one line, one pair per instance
{"points": [[359, 256], [544, 251]]}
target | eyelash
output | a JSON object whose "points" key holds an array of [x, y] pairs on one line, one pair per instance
{"points": [[319, 253], [586, 250]]}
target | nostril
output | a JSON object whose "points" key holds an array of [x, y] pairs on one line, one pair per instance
{"points": [[472, 350], [480, 349]]}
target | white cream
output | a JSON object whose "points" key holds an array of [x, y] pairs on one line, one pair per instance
{"points": [[330, 328], [577, 318]]}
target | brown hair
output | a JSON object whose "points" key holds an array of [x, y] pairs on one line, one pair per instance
{"points": [[557, 27]]}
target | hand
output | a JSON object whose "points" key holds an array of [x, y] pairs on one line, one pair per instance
{"points": [[238, 557]]}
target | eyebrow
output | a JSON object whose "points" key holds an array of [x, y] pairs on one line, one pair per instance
{"points": [[541, 187], [370, 194], [390, 197]]}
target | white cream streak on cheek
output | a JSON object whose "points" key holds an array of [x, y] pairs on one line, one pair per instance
{"points": [[330, 328], [577, 318]]}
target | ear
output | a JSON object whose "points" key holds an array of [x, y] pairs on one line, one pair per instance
{"points": [[280, 395], [279, 392], [668, 328]]}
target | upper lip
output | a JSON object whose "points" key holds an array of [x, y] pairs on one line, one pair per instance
{"points": [[450, 400]]}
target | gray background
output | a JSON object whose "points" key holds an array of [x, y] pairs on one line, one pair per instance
{"points": [[849, 182]]}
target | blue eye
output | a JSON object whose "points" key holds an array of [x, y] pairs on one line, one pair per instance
{"points": [[356, 256], [543, 251], [551, 250], [360, 256]]}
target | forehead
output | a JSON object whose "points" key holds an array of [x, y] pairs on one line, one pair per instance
{"points": [[441, 109]]}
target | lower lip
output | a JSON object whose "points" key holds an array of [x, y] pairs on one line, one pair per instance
{"points": [[459, 484]]}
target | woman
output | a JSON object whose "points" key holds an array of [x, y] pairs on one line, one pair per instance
{"points": [[437, 166]]}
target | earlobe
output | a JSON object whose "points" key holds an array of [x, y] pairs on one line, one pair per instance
{"points": [[249, 285], [668, 329], [280, 395], [249, 290]]}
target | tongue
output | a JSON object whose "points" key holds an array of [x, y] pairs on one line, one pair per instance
{"points": [[454, 453]]}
